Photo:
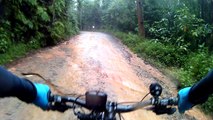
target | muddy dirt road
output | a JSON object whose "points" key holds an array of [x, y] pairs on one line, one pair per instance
{"points": [[91, 61]]}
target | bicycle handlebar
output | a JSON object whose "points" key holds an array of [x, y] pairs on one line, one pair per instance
{"points": [[97, 102], [120, 108], [152, 101]]}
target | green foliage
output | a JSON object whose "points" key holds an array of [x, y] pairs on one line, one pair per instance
{"points": [[42, 13], [131, 40], [35, 42], [107, 14], [196, 66], [120, 15], [3, 45], [190, 35], [35, 24], [160, 30], [184, 30], [166, 54], [10, 55], [207, 106], [59, 6], [57, 32], [29, 18], [185, 78], [32, 2], [4, 40], [71, 27], [5, 36]]}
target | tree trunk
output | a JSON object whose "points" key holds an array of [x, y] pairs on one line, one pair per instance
{"points": [[80, 14], [201, 4], [141, 29], [211, 9]]}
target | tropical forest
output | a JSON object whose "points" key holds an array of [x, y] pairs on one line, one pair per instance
{"points": [[175, 36]]}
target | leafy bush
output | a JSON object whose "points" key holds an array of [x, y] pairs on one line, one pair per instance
{"points": [[35, 24], [208, 106], [160, 30], [181, 29], [131, 40], [28, 18], [166, 54], [57, 32], [3, 45], [195, 68], [42, 14], [199, 63], [10, 55], [34, 44], [4, 40]]}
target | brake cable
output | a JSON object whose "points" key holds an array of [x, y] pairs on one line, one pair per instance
{"points": [[74, 106], [47, 81]]}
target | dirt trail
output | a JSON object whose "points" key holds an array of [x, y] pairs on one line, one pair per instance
{"points": [[91, 61]]}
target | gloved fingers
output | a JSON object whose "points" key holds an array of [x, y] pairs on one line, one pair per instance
{"points": [[42, 96], [184, 103]]}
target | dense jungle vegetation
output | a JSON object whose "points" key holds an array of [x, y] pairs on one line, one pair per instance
{"points": [[31, 24], [177, 34]]}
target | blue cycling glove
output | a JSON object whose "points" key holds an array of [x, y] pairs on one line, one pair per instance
{"points": [[184, 103], [42, 95]]}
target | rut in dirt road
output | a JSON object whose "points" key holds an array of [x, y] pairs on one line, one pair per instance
{"points": [[91, 61]]}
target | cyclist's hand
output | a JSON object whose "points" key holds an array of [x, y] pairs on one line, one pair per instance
{"points": [[42, 96], [183, 103]]}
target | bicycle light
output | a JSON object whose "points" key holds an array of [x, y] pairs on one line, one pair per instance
{"points": [[96, 100], [155, 89]]}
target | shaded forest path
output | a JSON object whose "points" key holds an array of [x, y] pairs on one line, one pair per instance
{"points": [[91, 61]]}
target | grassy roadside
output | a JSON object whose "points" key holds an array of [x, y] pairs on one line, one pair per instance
{"points": [[20, 49], [186, 67], [15, 51]]}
